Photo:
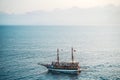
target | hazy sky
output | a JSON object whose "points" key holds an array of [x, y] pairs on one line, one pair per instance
{"points": [[22, 6]]}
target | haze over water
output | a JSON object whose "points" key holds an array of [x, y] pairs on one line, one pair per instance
{"points": [[22, 47]]}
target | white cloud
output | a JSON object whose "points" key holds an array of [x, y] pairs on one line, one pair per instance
{"points": [[108, 15], [21, 6]]}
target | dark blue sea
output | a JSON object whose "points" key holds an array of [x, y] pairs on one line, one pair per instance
{"points": [[23, 47]]}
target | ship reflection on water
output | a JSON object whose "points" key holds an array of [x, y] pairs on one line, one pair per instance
{"points": [[60, 76]]}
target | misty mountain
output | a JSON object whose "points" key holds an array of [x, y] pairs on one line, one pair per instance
{"points": [[108, 15]]}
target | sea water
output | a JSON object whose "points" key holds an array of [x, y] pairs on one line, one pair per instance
{"points": [[23, 47]]}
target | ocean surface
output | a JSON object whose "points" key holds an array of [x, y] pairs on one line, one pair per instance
{"points": [[23, 47]]}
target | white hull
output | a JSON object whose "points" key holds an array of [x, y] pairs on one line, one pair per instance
{"points": [[64, 70]]}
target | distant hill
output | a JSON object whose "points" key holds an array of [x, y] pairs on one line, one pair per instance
{"points": [[108, 15]]}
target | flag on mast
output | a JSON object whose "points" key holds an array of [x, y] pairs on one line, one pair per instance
{"points": [[74, 50]]}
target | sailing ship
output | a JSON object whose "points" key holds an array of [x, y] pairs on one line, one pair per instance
{"points": [[64, 67]]}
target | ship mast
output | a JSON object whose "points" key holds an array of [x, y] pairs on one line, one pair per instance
{"points": [[72, 55], [58, 56]]}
